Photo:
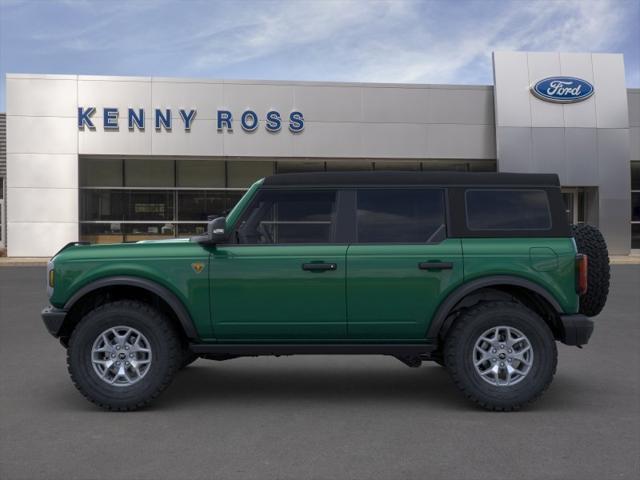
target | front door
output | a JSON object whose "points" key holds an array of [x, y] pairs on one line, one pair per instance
{"points": [[401, 266], [284, 279]]}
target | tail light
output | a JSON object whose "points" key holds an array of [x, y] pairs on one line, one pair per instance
{"points": [[582, 268]]}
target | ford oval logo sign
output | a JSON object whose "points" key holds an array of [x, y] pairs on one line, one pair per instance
{"points": [[562, 89]]}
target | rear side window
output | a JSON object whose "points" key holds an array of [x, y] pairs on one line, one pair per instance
{"points": [[283, 216], [399, 215], [507, 210]]}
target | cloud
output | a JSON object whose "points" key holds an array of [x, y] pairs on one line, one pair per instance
{"points": [[405, 41]]}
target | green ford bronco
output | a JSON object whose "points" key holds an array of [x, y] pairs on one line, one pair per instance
{"points": [[479, 272]]}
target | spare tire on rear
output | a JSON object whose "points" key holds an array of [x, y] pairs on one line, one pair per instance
{"points": [[590, 242]]}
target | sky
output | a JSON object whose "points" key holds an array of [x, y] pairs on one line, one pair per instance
{"points": [[404, 41]]}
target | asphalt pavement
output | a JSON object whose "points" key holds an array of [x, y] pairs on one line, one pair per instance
{"points": [[318, 417]]}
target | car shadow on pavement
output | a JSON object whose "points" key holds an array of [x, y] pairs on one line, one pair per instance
{"points": [[429, 385], [216, 384], [207, 384]]}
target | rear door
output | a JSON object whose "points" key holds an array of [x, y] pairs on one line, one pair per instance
{"points": [[285, 278], [401, 265]]}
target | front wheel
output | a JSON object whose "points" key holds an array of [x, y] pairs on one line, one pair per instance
{"points": [[501, 355], [123, 354]]}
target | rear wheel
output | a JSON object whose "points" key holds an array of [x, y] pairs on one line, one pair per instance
{"points": [[590, 242], [501, 355], [123, 354]]}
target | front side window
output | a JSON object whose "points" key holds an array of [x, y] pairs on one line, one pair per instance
{"points": [[507, 210], [399, 216], [280, 217]]}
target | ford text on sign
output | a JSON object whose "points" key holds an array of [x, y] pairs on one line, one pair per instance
{"points": [[562, 89]]}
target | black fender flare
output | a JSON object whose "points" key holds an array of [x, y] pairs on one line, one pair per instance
{"points": [[465, 289], [164, 293]]}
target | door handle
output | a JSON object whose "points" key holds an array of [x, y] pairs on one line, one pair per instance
{"points": [[435, 265], [319, 267]]}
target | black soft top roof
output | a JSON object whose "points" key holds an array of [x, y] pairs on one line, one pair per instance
{"points": [[413, 178]]}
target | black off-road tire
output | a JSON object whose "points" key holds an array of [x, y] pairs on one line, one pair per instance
{"points": [[590, 241], [165, 348], [460, 345]]}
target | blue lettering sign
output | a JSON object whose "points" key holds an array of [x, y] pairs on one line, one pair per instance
{"points": [[110, 118], [296, 122], [273, 123], [163, 120], [84, 117], [249, 121], [224, 120], [187, 118], [562, 89], [136, 120]]}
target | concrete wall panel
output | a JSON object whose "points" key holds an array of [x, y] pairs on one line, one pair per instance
{"points": [[43, 205], [202, 139], [42, 170], [512, 103], [514, 149], [544, 114], [101, 92], [44, 239], [461, 141], [581, 157], [205, 97], [389, 140], [120, 141], [633, 98], [581, 114], [611, 92], [44, 97], [41, 135], [329, 103], [460, 106], [395, 105], [548, 152]]}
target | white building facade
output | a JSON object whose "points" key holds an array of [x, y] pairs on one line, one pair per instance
{"points": [[109, 159]]}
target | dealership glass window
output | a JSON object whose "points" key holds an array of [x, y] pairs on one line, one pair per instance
{"points": [[149, 173], [507, 210], [174, 197], [200, 173], [242, 174], [635, 176], [200, 205], [399, 216], [278, 217], [635, 205], [150, 205], [635, 236], [103, 205], [101, 172]]}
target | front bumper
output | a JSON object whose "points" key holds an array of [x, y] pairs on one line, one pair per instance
{"points": [[576, 329], [53, 319]]}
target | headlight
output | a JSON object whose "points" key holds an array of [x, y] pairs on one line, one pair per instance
{"points": [[51, 278]]}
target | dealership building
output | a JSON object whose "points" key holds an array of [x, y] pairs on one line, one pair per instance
{"points": [[112, 159]]}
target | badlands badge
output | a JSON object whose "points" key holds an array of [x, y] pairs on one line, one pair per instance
{"points": [[197, 267]]}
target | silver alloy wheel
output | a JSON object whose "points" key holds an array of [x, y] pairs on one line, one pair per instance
{"points": [[502, 356], [121, 356]]}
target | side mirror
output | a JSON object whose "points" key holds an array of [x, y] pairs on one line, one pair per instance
{"points": [[216, 230]]}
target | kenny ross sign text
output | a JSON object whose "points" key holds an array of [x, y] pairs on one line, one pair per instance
{"points": [[164, 119]]}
